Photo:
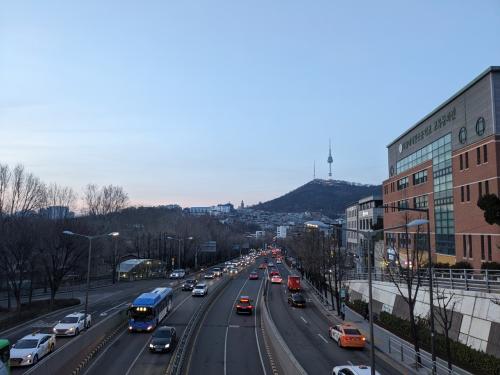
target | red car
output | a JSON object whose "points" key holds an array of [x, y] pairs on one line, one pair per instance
{"points": [[244, 305], [253, 276]]}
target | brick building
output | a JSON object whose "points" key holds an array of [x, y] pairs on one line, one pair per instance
{"points": [[445, 163]]}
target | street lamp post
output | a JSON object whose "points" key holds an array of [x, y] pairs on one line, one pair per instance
{"points": [[90, 238], [179, 240]]}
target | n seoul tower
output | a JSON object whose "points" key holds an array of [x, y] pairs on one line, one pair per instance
{"points": [[330, 160]]}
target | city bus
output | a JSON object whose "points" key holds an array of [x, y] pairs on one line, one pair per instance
{"points": [[4, 357], [148, 310]]}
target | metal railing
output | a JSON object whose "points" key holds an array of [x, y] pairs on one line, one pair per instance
{"points": [[464, 279], [407, 355]]}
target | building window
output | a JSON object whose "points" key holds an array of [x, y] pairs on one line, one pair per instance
{"points": [[403, 204], [467, 188], [485, 153], [482, 247], [470, 246], [403, 183], [420, 202], [480, 185], [489, 248], [486, 187], [478, 153], [461, 193], [461, 162], [420, 177], [466, 160]]}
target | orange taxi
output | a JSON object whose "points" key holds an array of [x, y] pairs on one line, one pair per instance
{"points": [[347, 336]]}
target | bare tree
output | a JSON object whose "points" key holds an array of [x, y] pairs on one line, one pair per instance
{"points": [[5, 175], [25, 192], [446, 303], [406, 275], [106, 200], [56, 195]]}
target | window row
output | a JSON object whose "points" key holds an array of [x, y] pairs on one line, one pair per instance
{"points": [[483, 189], [485, 245], [481, 157]]}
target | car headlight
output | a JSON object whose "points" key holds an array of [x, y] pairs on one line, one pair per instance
{"points": [[29, 356], [130, 328], [150, 328], [71, 329], [167, 345], [151, 346], [54, 330]]}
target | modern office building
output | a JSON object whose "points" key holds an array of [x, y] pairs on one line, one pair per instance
{"points": [[445, 163], [281, 231]]}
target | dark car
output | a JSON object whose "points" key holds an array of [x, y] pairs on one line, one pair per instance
{"points": [[297, 300], [189, 284], [163, 340]]}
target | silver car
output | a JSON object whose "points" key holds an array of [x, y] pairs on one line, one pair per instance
{"points": [[200, 290]]}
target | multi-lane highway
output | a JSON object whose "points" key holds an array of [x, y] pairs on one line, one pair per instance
{"points": [[228, 343], [224, 343], [102, 302], [305, 331]]}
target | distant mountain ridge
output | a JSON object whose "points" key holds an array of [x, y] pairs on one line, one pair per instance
{"points": [[330, 197]]}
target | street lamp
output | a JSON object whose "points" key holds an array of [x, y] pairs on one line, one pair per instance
{"points": [[90, 238], [179, 240]]}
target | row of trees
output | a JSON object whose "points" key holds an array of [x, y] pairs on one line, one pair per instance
{"points": [[34, 253]]}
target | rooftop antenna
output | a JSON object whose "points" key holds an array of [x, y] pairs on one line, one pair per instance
{"points": [[330, 159]]}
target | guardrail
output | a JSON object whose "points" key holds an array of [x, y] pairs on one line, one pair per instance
{"points": [[408, 356], [487, 281]]}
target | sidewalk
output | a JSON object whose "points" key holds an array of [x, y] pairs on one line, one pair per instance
{"points": [[389, 347]]}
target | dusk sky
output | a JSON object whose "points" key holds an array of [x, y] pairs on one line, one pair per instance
{"points": [[204, 102]]}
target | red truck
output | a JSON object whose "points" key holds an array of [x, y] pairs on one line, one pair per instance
{"points": [[293, 283]]}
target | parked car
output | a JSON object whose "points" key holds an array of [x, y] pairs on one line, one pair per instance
{"points": [[72, 324]]}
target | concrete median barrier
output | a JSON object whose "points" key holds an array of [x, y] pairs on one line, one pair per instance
{"points": [[287, 362]]}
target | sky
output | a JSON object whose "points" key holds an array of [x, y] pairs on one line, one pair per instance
{"points": [[204, 102]]}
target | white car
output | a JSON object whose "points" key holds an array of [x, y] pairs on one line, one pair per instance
{"points": [[72, 324], [178, 274], [200, 290], [28, 350], [353, 370]]}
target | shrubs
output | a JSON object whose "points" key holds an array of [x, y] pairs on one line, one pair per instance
{"points": [[490, 266], [465, 357]]}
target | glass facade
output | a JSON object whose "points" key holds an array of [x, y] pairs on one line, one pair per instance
{"points": [[439, 152]]}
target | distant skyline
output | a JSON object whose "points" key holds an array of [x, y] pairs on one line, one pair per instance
{"points": [[199, 103]]}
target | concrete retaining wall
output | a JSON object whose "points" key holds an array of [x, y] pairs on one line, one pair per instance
{"points": [[476, 321]]}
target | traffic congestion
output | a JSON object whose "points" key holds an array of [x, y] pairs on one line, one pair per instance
{"points": [[156, 319]]}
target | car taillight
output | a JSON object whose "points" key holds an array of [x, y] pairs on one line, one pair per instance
{"points": [[238, 306]]}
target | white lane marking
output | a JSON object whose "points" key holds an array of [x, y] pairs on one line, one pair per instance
{"points": [[147, 341], [227, 328], [305, 321], [113, 308], [322, 338], [256, 336], [103, 352], [233, 326]]}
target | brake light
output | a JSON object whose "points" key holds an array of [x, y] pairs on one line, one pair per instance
{"points": [[363, 338]]}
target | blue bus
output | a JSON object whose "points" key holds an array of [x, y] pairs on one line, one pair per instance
{"points": [[148, 310]]}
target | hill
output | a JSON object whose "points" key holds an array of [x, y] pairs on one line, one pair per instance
{"points": [[330, 197]]}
